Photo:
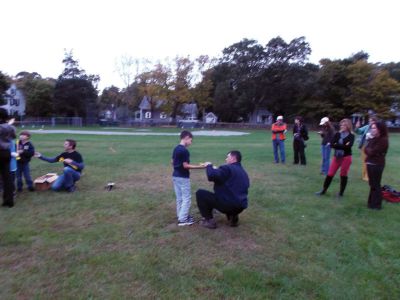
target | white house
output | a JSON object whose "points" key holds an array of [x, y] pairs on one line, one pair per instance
{"points": [[210, 118], [15, 101]]}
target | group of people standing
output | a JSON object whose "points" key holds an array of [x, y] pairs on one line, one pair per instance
{"points": [[373, 145], [300, 135], [15, 157]]}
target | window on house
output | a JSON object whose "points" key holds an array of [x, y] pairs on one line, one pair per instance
{"points": [[147, 115]]}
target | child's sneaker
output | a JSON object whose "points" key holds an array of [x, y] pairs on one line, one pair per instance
{"points": [[189, 221]]}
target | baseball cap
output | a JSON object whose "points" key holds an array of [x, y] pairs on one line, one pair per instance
{"points": [[324, 120], [279, 118]]}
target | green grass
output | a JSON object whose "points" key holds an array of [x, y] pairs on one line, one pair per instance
{"points": [[122, 244]]}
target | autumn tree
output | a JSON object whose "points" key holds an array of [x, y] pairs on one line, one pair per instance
{"points": [[155, 84], [350, 85]]}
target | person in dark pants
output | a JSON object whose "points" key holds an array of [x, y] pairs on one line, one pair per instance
{"points": [[375, 151], [231, 184], [7, 134], [300, 135]]}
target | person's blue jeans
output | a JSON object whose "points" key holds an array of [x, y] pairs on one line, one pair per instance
{"points": [[326, 158], [66, 180], [281, 145], [183, 197], [24, 170]]}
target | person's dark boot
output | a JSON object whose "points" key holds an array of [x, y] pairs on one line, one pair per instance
{"points": [[343, 183], [208, 223], [327, 182], [234, 221]]}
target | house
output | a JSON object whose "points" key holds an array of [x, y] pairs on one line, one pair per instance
{"points": [[261, 116], [15, 101], [151, 111], [189, 111], [210, 118]]}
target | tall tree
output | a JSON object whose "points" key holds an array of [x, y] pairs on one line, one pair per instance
{"points": [[283, 80], [4, 86], [38, 93], [75, 92], [351, 85], [180, 84], [276, 76]]}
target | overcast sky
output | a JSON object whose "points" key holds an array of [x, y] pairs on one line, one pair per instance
{"points": [[34, 33]]}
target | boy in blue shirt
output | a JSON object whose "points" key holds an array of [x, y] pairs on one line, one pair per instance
{"points": [[181, 178]]}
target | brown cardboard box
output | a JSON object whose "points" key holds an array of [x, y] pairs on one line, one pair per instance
{"points": [[44, 182]]}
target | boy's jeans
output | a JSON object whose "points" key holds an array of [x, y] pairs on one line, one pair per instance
{"points": [[23, 169], [183, 197], [66, 180]]}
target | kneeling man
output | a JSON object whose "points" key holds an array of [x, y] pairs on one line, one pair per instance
{"points": [[231, 184], [73, 166]]}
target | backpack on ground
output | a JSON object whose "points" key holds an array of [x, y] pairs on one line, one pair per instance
{"points": [[390, 194]]}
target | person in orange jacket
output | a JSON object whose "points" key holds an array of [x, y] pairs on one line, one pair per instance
{"points": [[278, 139]]}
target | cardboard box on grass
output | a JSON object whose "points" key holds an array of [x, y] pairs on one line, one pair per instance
{"points": [[44, 182]]}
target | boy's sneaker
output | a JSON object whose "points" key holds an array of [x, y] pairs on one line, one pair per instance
{"points": [[189, 221]]}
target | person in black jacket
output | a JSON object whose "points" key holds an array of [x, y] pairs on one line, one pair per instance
{"points": [[25, 152], [231, 184], [341, 143], [7, 134], [375, 151], [300, 135]]}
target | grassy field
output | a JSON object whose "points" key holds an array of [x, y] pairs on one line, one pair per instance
{"points": [[122, 244]]}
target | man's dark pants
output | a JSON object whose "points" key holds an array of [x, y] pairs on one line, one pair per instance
{"points": [[207, 201], [8, 197]]}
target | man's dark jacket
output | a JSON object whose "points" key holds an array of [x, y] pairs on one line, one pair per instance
{"points": [[231, 183]]}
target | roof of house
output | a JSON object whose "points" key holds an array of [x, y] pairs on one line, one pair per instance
{"points": [[145, 103], [210, 115]]}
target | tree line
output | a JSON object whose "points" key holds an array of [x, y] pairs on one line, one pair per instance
{"points": [[247, 76]]}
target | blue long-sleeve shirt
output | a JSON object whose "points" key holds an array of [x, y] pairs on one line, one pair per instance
{"points": [[231, 183], [77, 161]]}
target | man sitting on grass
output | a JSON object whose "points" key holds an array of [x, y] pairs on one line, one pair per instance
{"points": [[73, 166], [231, 184]]}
